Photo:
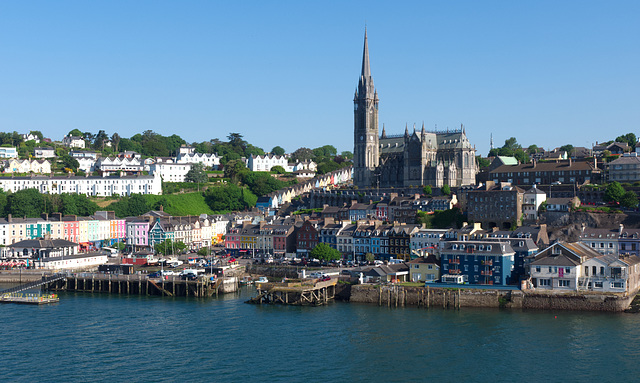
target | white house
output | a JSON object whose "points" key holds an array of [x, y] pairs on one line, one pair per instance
{"points": [[44, 152], [83, 154], [170, 171], [108, 165], [532, 200], [90, 186], [266, 162], [86, 164], [8, 152], [209, 160], [30, 137], [73, 142], [559, 266]]}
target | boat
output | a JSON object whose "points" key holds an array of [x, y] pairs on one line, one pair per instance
{"points": [[262, 280], [245, 281]]}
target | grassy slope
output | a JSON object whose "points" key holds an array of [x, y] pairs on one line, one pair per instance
{"points": [[182, 204]]}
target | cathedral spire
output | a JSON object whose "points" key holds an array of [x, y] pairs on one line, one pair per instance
{"points": [[384, 133], [366, 68], [406, 129]]}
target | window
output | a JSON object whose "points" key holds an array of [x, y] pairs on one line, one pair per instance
{"points": [[544, 282], [537, 269], [564, 283], [567, 270]]}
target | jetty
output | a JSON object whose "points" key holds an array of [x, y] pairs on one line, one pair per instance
{"points": [[296, 292], [136, 284]]}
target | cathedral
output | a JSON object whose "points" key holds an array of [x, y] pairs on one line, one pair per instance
{"points": [[410, 159]]}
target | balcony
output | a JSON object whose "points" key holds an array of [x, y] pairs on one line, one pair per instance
{"points": [[487, 263], [454, 271], [486, 272], [454, 261]]}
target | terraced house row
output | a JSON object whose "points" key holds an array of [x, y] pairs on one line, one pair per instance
{"points": [[104, 229]]}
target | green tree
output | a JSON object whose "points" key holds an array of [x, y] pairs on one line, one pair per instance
{"points": [[302, 154], [629, 138], [229, 197], [169, 247], [197, 174], [25, 203], [75, 132], [532, 149], [69, 162], [483, 162], [629, 200], [446, 190], [278, 170], [369, 257], [324, 252], [512, 144], [427, 190], [614, 192], [234, 169], [567, 148], [277, 150], [347, 154]]}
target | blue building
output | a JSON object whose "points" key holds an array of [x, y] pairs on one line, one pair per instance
{"points": [[479, 262]]}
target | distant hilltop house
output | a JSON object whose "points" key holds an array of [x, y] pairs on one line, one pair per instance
{"points": [[8, 152], [625, 168], [73, 142], [169, 170], [83, 154], [44, 152], [208, 160], [266, 162], [613, 148], [109, 165], [30, 137], [26, 166]]}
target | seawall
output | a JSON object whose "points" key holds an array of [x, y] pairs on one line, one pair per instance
{"points": [[395, 296]]}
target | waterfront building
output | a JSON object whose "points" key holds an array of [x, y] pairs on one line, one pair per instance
{"points": [[424, 241], [424, 269], [306, 238], [400, 240], [604, 241], [479, 262], [123, 165], [496, 205], [558, 267], [345, 241], [137, 234]]}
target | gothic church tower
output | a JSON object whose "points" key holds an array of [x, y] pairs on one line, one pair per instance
{"points": [[365, 115]]}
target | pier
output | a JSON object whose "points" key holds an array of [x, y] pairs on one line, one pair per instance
{"points": [[142, 285], [296, 292]]}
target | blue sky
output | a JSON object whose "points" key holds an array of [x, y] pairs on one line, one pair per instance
{"points": [[284, 73]]}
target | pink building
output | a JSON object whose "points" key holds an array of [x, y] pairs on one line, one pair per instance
{"points": [[137, 234]]}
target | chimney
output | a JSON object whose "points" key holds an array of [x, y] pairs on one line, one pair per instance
{"points": [[161, 208], [620, 229], [595, 163], [9, 218], [534, 163], [45, 216]]}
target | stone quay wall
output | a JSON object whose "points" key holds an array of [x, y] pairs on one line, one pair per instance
{"points": [[395, 296], [273, 271]]}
